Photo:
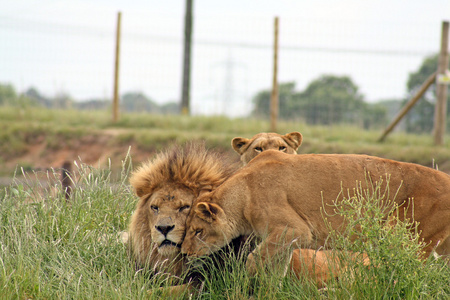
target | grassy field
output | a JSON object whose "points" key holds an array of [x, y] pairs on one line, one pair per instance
{"points": [[59, 129], [51, 248]]}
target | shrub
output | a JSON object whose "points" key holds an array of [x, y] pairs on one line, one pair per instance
{"points": [[392, 244]]}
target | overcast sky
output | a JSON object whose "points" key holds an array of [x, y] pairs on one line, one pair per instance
{"points": [[58, 46]]}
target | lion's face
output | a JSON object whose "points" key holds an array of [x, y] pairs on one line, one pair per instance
{"points": [[206, 230], [167, 186], [168, 209], [249, 148]]}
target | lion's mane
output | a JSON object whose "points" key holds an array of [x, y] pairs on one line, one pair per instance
{"points": [[191, 166]]}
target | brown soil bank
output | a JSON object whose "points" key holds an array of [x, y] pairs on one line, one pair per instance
{"points": [[42, 152]]}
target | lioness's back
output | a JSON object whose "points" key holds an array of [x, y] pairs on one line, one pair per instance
{"points": [[331, 171], [308, 182], [343, 166]]}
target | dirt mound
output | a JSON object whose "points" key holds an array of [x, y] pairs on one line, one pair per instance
{"points": [[95, 150]]}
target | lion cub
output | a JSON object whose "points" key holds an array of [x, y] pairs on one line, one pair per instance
{"points": [[249, 148]]}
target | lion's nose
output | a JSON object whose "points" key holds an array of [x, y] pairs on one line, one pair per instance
{"points": [[165, 229]]}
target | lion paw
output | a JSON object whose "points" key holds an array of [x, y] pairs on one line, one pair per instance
{"points": [[250, 265]]}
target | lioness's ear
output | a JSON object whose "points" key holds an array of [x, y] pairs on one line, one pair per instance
{"points": [[294, 139], [239, 144], [208, 211]]}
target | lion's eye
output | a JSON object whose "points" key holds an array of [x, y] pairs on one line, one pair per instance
{"points": [[258, 149], [198, 232], [282, 148], [154, 208], [184, 208]]}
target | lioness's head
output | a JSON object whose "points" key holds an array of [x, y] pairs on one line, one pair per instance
{"points": [[167, 186], [249, 148], [207, 230]]}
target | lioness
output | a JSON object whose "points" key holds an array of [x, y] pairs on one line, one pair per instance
{"points": [[249, 148], [281, 197], [167, 185]]}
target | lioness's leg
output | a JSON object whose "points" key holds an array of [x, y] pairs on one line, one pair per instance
{"points": [[276, 249], [444, 249], [436, 234], [323, 265], [320, 266]]}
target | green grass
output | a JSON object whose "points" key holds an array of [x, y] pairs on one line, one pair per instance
{"points": [[396, 270], [51, 248], [21, 128]]}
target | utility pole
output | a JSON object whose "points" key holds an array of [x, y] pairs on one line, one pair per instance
{"points": [[185, 93]]}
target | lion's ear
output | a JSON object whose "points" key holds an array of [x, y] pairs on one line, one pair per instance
{"points": [[140, 185], [140, 192], [294, 139], [204, 190], [239, 144], [208, 211]]}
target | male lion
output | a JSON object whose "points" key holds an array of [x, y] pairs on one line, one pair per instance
{"points": [[167, 186], [281, 197], [249, 148]]}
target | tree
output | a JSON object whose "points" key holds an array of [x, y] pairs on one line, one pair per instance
{"points": [[33, 94], [170, 108], [138, 102], [327, 100], [94, 104], [7, 94], [330, 100], [420, 118], [262, 101], [62, 100]]}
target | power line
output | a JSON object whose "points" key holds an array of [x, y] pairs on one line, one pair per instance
{"points": [[48, 27], [314, 49], [51, 27]]}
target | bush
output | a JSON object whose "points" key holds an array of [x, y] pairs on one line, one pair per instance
{"points": [[392, 245]]}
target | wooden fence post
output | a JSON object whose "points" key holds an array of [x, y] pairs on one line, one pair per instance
{"points": [[430, 80], [186, 81], [274, 95], [116, 71], [440, 112]]}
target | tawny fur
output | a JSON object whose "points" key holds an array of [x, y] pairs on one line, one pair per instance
{"points": [[322, 266], [283, 196], [172, 180], [250, 148]]}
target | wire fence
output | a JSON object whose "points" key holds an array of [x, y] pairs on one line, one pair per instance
{"points": [[231, 62]]}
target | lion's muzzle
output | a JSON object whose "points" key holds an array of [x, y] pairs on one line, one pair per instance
{"points": [[165, 229], [167, 242]]}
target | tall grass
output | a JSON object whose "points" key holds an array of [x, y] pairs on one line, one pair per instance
{"points": [[53, 248], [392, 245], [57, 249]]}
